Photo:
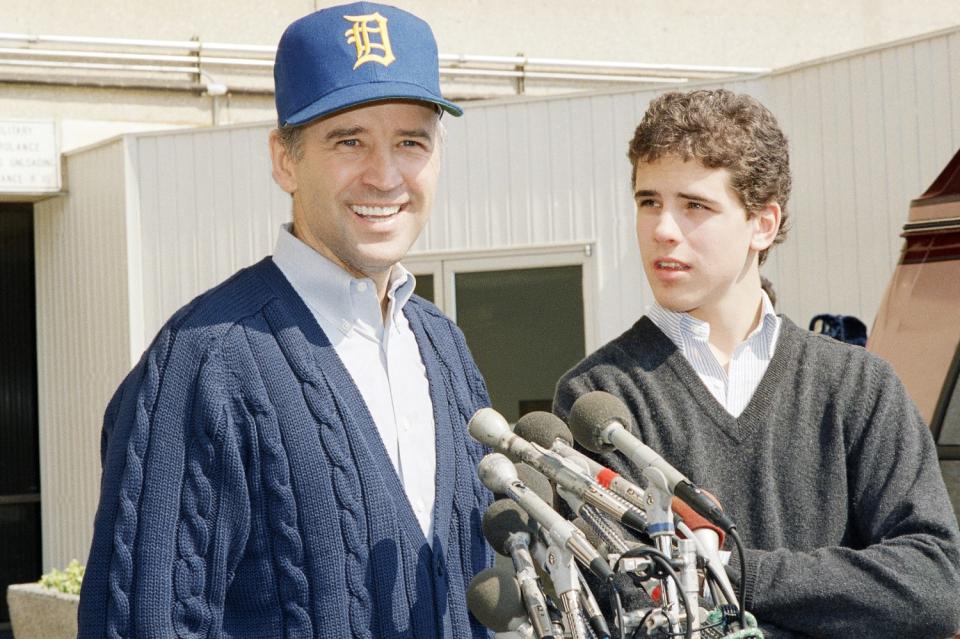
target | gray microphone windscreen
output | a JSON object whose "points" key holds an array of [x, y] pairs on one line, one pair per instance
{"points": [[543, 428], [494, 599], [502, 519], [537, 482], [592, 536], [593, 412]]}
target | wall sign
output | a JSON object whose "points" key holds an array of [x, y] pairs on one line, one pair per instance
{"points": [[29, 156]]}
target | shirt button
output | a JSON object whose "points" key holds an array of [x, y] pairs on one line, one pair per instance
{"points": [[345, 326], [405, 424], [361, 286]]}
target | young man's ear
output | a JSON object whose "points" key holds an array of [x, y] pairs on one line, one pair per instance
{"points": [[283, 164], [766, 226]]}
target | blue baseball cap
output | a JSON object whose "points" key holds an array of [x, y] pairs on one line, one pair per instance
{"points": [[344, 56]]}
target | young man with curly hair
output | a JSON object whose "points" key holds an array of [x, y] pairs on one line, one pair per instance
{"points": [[812, 446]]}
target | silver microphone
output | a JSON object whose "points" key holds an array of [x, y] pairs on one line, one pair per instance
{"points": [[598, 422], [499, 475], [489, 427]]}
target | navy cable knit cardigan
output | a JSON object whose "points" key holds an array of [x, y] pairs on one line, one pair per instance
{"points": [[246, 492]]}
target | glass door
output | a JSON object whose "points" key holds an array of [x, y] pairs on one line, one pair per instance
{"points": [[525, 314]]}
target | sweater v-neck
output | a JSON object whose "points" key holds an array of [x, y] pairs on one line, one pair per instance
{"points": [[327, 364], [755, 413]]}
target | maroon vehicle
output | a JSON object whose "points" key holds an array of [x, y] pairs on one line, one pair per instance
{"points": [[917, 328]]}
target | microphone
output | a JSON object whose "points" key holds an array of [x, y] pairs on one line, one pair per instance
{"points": [[494, 599], [499, 475], [591, 610], [508, 529], [598, 421], [489, 427], [707, 532], [536, 482], [548, 430], [709, 539]]}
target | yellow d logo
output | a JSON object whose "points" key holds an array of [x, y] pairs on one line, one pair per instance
{"points": [[369, 34]]}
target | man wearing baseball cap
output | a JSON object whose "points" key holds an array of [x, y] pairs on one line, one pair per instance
{"points": [[290, 458]]}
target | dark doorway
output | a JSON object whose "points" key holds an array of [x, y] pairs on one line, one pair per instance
{"points": [[20, 550]]}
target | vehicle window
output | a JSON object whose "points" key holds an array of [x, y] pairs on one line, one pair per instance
{"points": [[947, 432]]}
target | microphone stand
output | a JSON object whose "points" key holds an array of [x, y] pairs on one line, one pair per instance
{"points": [[559, 562], [660, 527]]}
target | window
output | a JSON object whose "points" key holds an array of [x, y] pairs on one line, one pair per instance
{"points": [[526, 315], [945, 425]]}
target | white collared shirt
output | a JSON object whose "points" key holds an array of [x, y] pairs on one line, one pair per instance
{"points": [[382, 357], [733, 388]]}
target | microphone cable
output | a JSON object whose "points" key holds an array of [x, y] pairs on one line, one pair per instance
{"points": [[743, 582], [664, 562]]}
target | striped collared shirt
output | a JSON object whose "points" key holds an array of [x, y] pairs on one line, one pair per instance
{"points": [[733, 388], [382, 357]]}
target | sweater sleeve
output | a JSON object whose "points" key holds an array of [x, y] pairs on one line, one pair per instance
{"points": [[174, 512], [903, 578]]}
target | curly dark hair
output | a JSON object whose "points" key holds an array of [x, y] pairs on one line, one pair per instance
{"points": [[720, 129]]}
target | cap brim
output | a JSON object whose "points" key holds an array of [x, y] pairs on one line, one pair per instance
{"points": [[349, 97]]}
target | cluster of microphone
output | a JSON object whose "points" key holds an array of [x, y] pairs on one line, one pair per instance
{"points": [[651, 554]]}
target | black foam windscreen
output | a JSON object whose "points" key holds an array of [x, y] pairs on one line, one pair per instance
{"points": [[494, 599], [543, 428], [504, 518], [591, 413]]}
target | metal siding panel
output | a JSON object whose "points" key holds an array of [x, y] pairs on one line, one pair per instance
{"points": [[933, 94], [149, 183], [82, 346], [434, 234], [242, 177], [168, 252], [909, 125], [539, 165], [864, 151], [262, 185], [519, 152], [456, 219], [840, 166], [886, 218], [205, 224], [186, 265], [476, 230], [810, 230], [560, 159], [583, 211], [223, 201], [498, 178]]}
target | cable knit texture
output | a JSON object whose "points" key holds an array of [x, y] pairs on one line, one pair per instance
{"points": [[246, 491], [830, 474]]}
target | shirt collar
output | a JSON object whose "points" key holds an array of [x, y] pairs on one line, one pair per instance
{"points": [[333, 292], [675, 325]]}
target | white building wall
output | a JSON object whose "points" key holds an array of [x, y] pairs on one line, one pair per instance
{"points": [[208, 207], [83, 347]]}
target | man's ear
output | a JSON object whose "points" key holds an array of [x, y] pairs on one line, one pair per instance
{"points": [[283, 164], [766, 226]]}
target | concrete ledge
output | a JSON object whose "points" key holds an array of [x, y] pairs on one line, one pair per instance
{"points": [[42, 613]]}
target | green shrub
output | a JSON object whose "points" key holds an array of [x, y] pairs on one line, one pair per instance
{"points": [[67, 581]]}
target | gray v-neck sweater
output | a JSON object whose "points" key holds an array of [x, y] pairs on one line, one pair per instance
{"points": [[829, 472]]}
